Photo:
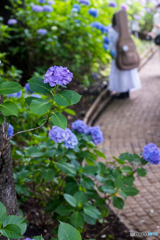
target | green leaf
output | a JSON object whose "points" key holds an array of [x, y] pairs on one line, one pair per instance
{"points": [[90, 169], [67, 232], [37, 84], [11, 231], [71, 188], [64, 210], [130, 191], [1, 80], [9, 108], [1, 119], [59, 120], [101, 179], [70, 111], [118, 202], [29, 100], [48, 174], [89, 220], [141, 172], [143, 162], [67, 168], [77, 219], [128, 180], [118, 183], [3, 212], [121, 162], [92, 211], [12, 219], [124, 156], [108, 187], [126, 169], [70, 199], [123, 194], [66, 98], [9, 87], [40, 106], [81, 198], [87, 183], [38, 237], [41, 121], [100, 154]]}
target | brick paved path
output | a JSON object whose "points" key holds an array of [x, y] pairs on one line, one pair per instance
{"points": [[127, 126]]}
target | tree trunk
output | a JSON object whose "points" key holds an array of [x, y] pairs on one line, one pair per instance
{"points": [[7, 187]]}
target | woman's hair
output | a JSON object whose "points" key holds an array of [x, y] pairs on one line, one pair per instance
{"points": [[114, 21]]}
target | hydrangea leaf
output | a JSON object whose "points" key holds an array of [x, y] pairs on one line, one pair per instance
{"points": [[70, 111], [37, 85], [130, 191], [67, 168], [64, 210], [90, 169], [38, 237], [66, 98], [1, 119], [21, 222], [108, 187], [48, 174], [128, 180], [59, 120], [100, 154], [118, 183], [3, 212], [1, 80], [89, 220], [71, 188], [9, 108], [9, 87], [126, 169], [87, 183], [77, 220], [92, 211], [29, 100], [81, 198], [141, 172], [68, 232], [71, 200], [41, 121], [118, 202], [11, 231], [40, 106]]}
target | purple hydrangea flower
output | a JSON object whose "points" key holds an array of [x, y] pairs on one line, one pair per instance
{"points": [[113, 4], [93, 12], [10, 130], [106, 40], [79, 126], [51, 2], [105, 46], [96, 133], [97, 25], [42, 31], [105, 29], [37, 8], [12, 21], [70, 139], [57, 134], [36, 96], [124, 6], [77, 7], [42, 1], [16, 95], [95, 75], [28, 239], [85, 2], [47, 8], [27, 88], [151, 153], [58, 75]]}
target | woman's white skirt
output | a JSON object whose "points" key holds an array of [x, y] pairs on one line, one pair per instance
{"points": [[123, 80]]}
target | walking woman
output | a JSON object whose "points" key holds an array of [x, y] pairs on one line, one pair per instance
{"points": [[120, 81]]}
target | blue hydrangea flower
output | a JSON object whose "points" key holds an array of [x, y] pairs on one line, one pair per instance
{"points": [[106, 40], [47, 8], [37, 8], [70, 140], [85, 2], [93, 12], [51, 2], [42, 1], [96, 133], [36, 95], [105, 46], [105, 29], [113, 54], [58, 75], [57, 134], [124, 6], [113, 4], [16, 95], [79, 126], [95, 75], [27, 88], [151, 154], [10, 130], [42, 31], [28, 239], [12, 21], [77, 7], [97, 25]]}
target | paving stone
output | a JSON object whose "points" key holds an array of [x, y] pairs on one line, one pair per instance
{"points": [[128, 125]]}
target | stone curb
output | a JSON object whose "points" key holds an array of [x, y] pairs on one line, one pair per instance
{"points": [[105, 98]]}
